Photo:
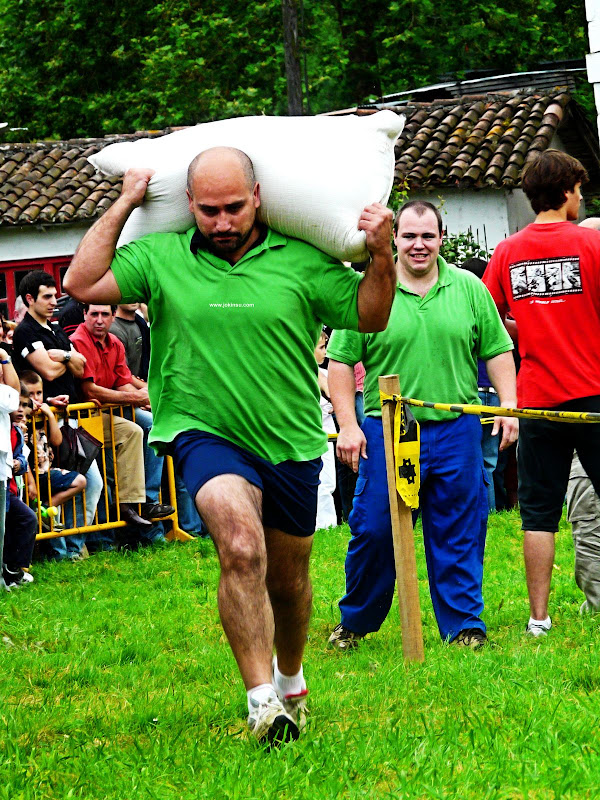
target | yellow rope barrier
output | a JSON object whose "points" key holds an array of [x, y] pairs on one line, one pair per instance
{"points": [[497, 411]]}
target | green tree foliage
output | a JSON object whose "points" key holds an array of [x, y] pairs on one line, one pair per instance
{"points": [[433, 37], [75, 68]]}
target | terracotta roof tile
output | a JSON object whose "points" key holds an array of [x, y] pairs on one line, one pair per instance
{"points": [[477, 141]]}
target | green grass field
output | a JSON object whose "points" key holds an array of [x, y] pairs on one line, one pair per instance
{"points": [[117, 682]]}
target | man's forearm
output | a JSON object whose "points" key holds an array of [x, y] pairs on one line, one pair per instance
{"points": [[376, 293], [95, 253], [118, 396], [76, 364], [342, 387], [89, 279], [501, 372]]}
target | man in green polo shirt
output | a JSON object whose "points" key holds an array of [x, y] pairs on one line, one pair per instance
{"points": [[236, 311], [442, 320]]}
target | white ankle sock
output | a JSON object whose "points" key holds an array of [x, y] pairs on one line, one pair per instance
{"points": [[260, 694], [545, 623], [288, 684]]}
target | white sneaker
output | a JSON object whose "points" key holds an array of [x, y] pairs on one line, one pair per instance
{"points": [[537, 629], [270, 722], [294, 704]]}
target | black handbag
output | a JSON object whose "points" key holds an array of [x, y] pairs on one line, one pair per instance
{"points": [[77, 450]]}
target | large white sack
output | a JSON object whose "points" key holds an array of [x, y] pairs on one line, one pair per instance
{"points": [[316, 174]]}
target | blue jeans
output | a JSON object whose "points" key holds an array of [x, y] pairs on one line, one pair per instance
{"points": [[187, 514], [345, 477], [3, 491], [489, 447], [454, 509], [93, 490], [153, 469], [62, 547]]}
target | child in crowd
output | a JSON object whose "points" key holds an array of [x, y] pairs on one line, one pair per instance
{"points": [[9, 401], [56, 486], [21, 521], [326, 513], [27, 477]]}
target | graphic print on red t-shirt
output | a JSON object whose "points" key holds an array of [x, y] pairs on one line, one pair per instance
{"points": [[548, 277]]}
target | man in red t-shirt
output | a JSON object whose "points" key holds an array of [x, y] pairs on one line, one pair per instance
{"points": [[107, 379], [548, 276]]}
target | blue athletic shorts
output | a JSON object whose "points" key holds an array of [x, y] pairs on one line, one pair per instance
{"points": [[59, 481], [289, 489]]}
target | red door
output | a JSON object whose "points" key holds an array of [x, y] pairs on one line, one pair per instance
{"points": [[12, 272]]}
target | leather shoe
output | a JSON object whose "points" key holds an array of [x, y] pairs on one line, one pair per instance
{"points": [[157, 510], [131, 517]]}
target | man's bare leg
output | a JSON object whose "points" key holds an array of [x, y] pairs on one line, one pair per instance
{"points": [[538, 550], [290, 592], [231, 509]]}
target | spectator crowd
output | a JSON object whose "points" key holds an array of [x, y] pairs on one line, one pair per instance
{"points": [[52, 358]]}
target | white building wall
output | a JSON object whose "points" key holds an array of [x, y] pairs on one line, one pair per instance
{"points": [[491, 214], [21, 243], [484, 212], [519, 210]]}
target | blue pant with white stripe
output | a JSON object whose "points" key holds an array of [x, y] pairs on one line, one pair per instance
{"points": [[453, 503]]}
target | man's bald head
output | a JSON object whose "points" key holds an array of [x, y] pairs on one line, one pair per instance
{"points": [[222, 158], [224, 197]]}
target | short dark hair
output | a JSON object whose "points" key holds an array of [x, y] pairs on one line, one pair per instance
{"points": [[23, 390], [547, 177], [475, 265], [86, 307], [31, 283], [420, 207], [30, 377]]}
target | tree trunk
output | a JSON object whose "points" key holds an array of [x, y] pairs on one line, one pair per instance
{"points": [[292, 58], [357, 20]]}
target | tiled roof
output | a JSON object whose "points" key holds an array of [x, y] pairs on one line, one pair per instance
{"points": [[474, 141], [53, 182]]}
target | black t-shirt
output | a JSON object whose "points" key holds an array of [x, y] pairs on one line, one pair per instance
{"points": [[30, 336], [71, 316]]}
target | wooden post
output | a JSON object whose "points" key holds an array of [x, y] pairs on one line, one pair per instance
{"points": [[403, 537]]}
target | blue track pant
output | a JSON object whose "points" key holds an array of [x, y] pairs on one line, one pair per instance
{"points": [[453, 502]]}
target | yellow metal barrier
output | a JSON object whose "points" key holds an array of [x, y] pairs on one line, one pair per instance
{"points": [[88, 416]]}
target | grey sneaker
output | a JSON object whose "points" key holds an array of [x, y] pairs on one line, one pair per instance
{"points": [[270, 722], [473, 638], [343, 639], [294, 704], [537, 629]]}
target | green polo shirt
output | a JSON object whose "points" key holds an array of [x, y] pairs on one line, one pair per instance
{"points": [[431, 342], [233, 346]]}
